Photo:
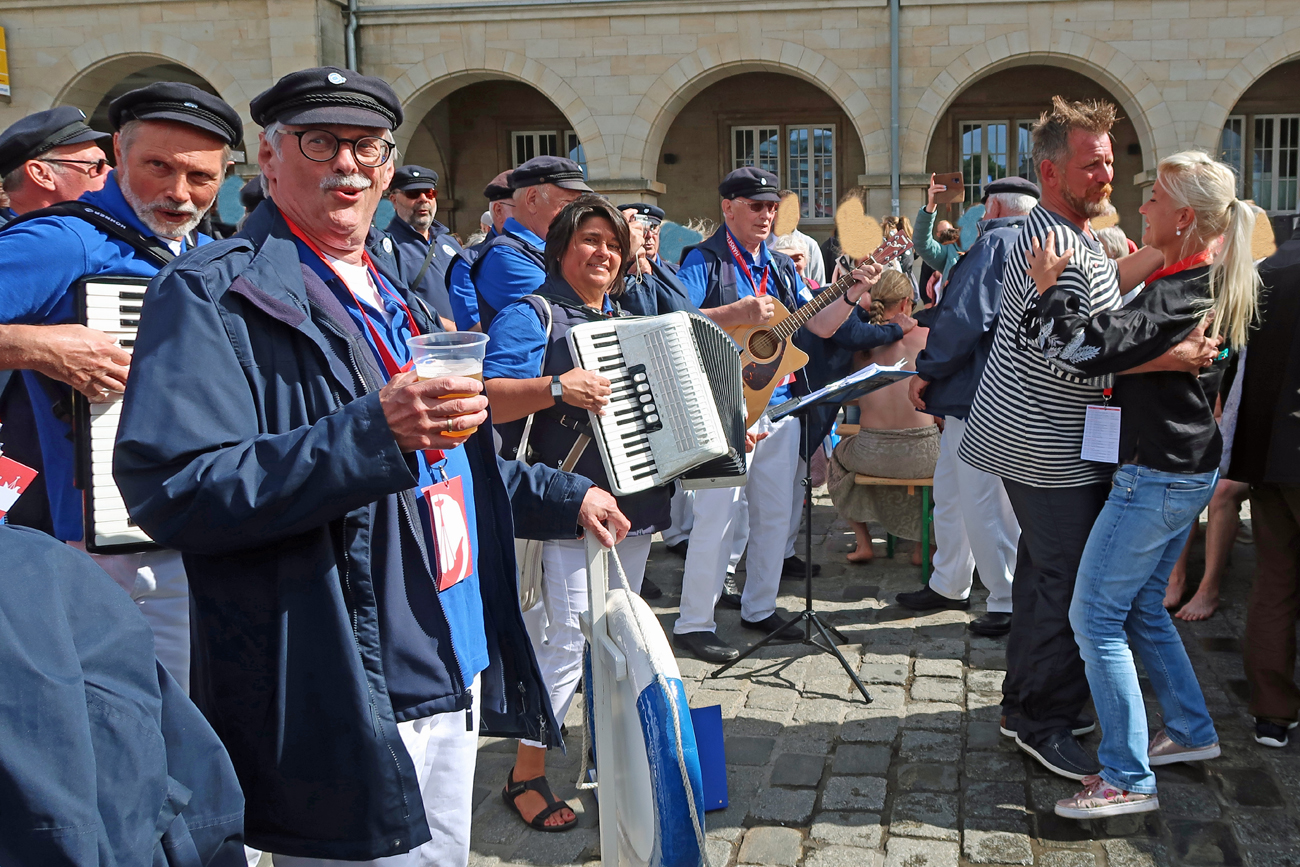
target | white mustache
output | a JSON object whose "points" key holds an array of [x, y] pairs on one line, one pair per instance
{"points": [[186, 208], [354, 181]]}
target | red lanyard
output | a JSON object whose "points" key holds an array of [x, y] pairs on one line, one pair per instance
{"points": [[760, 289], [391, 367], [1190, 262]]}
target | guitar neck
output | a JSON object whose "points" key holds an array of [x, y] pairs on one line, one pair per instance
{"points": [[883, 255]]}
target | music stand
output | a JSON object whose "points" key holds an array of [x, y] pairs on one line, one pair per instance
{"points": [[853, 386]]}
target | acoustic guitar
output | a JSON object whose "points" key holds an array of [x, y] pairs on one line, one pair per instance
{"points": [[766, 354]]}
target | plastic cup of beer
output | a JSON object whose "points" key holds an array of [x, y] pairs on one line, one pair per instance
{"points": [[449, 353]]}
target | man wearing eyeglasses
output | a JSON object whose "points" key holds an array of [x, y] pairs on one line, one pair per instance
{"points": [[733, 277], [425, 247], [347, 536], [47, 157], [172, 145]]}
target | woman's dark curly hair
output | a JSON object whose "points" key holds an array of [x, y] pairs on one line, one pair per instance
{"points": [[567, 223]]}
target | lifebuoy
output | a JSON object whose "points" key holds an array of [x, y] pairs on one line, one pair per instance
{"points": [[659, 793]]}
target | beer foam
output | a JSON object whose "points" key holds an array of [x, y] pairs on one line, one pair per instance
{"points": [[430, 368]]}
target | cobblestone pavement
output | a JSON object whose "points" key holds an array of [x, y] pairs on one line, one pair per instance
{"points": [[920, 777]]}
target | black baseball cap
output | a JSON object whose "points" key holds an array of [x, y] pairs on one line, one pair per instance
{"points": [[1017, 185], [252, 193], [179, 102], [750, 183], [37, 133], [499, 189], [655, 215], [328, 95], [414, 178], [561, 172]]}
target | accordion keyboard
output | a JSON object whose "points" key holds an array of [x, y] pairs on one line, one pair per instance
{"points": [[661, 419]]}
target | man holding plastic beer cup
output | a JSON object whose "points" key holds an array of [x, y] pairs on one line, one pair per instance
{"points": [[356, 618]]}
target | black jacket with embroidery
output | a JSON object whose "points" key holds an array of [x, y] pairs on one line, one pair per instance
{"points": [[1168, 419]]}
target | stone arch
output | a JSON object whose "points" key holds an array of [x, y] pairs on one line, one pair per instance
{"points": [[1139, 98], [1279, 50], [425, 84], [89, 71], [684, 80]]}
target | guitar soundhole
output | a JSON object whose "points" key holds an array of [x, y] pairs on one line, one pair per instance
{"points": [[762, 344]]}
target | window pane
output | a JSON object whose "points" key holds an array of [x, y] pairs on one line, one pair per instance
{"points": [[1288, 155], [810, 167], [743, 151], [1230, 147], [769, 150], [575, 150], [972, 158], [1263, 170], [823, 179], [1024, 151]]}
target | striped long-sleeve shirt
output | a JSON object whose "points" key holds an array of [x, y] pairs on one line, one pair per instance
{"points": [[1026, 423]]}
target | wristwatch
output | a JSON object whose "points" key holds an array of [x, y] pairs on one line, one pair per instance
{"points": [[557, 390]]}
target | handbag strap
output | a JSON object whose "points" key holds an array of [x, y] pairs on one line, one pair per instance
{"points": [[522, 454]]}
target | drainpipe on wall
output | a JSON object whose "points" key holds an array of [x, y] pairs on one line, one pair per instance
{"points": [[350, 37], [894, 171]]}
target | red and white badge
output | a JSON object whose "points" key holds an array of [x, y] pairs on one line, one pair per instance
{"points": [[14, 479], [450, 525]]}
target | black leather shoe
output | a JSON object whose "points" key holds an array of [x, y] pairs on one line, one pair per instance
{"points": [[650, 590], [1061, 753], [793, 567], [706, 646], [730, 597], [680, 548], [992, 624], [926, 599], [771, 622]]}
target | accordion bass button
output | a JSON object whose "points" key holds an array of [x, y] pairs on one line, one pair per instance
{"points": [[652, 419]]}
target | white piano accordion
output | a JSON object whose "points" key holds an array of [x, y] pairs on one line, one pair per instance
{"points": [[111, 305], [677, 408]]}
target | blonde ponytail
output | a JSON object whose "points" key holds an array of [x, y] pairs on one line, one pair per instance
{"points": [[890, 289], [1195, 180]]}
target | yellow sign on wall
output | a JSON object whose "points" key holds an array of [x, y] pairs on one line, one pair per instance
{"points": [[4, 65]]}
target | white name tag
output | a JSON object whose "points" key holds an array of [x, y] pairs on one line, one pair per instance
{"points": [[1101, 434]]}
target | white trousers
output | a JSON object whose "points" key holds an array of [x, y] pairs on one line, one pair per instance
{"points": [[772, 467], [681, 515], [973, 526], [157, 584], [739, 533], [555, 628], [444, 754]]}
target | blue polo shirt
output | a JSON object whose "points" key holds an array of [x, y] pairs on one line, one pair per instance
{"points": [[39, 261], [462, 604], [518, 345], [507, 275], [694, 275]]}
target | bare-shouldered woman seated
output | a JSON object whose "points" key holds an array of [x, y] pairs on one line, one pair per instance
{"points": [[895, 441]]}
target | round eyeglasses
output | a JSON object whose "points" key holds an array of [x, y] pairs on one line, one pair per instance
{"points": [[94, 168], [321, 146]]}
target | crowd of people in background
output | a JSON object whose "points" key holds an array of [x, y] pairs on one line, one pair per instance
{"points": [[1078, 401]]}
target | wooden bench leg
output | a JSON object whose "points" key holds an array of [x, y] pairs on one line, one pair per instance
{"points": [[927, 523]]}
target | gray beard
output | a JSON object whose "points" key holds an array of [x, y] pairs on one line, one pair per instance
{"points": [[144, 210], [419, 223]]}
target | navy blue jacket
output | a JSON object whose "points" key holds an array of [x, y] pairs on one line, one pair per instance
{"points": [[656, 293], [411, 250], [961, 326], [253, 441], [103, 760]]}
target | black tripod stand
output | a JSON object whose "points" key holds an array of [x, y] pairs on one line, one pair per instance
{"points": [[810, 619]]}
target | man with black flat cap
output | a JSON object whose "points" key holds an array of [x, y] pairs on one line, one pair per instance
{"points": [[733, 277], [425, 247], [48, 157], [460, 286], [512, 265], [650, 288], [172, 144], [347, 535]]}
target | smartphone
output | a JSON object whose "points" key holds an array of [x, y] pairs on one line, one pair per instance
{"points": [[956, 188]]}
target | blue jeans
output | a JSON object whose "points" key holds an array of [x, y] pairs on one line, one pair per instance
{"points": [[1119, 600]]}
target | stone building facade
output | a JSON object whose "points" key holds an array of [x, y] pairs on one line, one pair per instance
{"points": [[660, 99]]}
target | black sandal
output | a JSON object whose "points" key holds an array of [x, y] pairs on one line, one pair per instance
{"points": [[513, 790]]}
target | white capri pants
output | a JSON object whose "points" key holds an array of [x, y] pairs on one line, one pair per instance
{"points": [[558, 641]]}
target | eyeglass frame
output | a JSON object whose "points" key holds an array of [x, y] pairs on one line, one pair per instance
{"points": [[416, 195], [757, 207], [339, 142], [100, 165]]}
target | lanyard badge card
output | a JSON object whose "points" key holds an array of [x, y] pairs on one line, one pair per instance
{"points": [[450, 525], [14, 479], [1101, 432]]}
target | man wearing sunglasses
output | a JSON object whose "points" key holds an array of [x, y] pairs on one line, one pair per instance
{"points": [[425, 247], [47, 157]]}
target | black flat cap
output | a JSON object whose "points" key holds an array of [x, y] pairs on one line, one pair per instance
{"points": [[499, 189], [327, 94], [252, 193], [414, 178], [1019, 186], [37, 133], [564, 173], [655, 215], [183, 103], [750, 183]]}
